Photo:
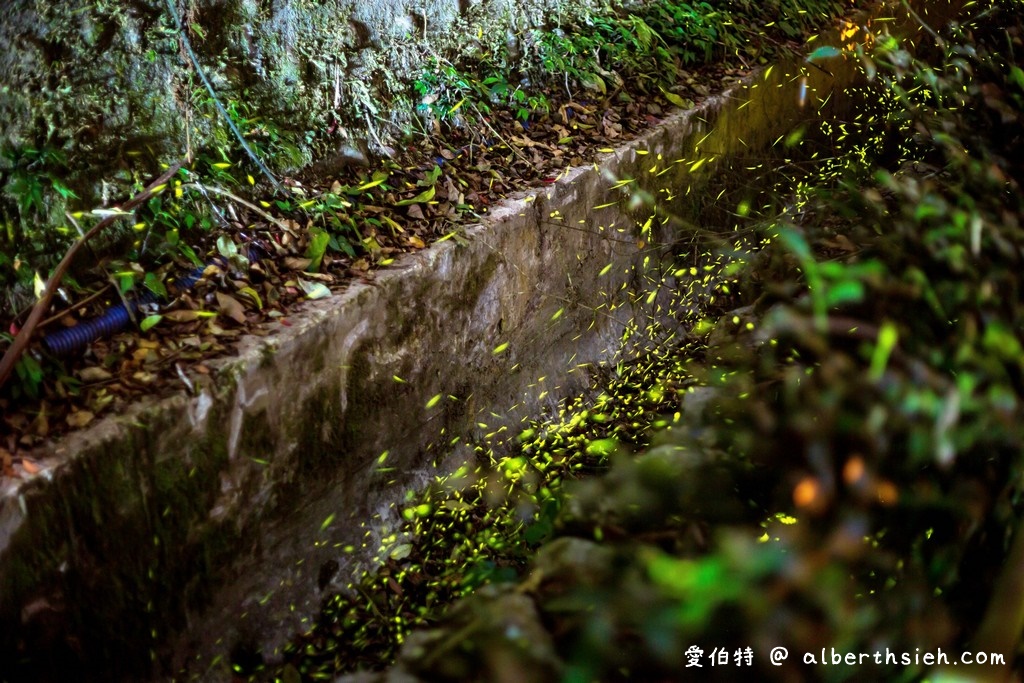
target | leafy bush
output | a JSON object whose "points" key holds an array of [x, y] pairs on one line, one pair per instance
{"points": [[32, 193], [846, 474], [853, 478]]}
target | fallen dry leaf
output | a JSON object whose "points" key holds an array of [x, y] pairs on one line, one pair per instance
{"points": [[231, 307], [296, 263], [79, 419], [94, 374], [183, 315]]}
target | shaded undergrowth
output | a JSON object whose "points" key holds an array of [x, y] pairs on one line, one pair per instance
{"points": [[830, 459]]}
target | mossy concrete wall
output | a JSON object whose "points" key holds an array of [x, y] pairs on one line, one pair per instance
{"points": [[109, 84], [195, 525]]}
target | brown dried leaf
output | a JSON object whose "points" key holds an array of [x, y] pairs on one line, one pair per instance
{"points": [[842, 242], [296, 263], [183, 315], [322, 277], [94, 374], [77, 420], [231, 307], [41, 425], [144, 355]]}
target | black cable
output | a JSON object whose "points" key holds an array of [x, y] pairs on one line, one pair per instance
{"points": [[216, 101]]}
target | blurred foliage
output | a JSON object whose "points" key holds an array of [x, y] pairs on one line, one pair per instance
{"points": [[831, 458], [846, 473], [852, 476]]}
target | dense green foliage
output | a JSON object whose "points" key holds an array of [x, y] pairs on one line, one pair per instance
{"points": [[852, 475], [839, 464]]}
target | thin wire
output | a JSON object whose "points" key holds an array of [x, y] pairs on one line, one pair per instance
{"points": [[220, 107]]}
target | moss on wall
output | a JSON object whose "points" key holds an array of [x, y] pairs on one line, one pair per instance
{"points": [[106, 90]]}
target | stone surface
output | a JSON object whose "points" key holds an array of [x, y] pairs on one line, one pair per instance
{"points": [[110, 85]]}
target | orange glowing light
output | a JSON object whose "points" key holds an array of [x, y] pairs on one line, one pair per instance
{"points": [[807, 493], [887, 492], [853, 470]]}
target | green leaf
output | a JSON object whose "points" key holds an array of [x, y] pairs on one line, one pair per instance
{"points": [[887, 338], [190, 254], [126, 282], [824, 52], [422, 197], [602, 448], [314, 290], [149, 321], [592, 81], [317, 248], [155, 285], [226, 247], [1001, 341], [1017, 77], [63, 189], [252, 295], [30, 373], [676, 99], [847, 291], [29, 369], [794, 137], [432, 177], [796, 244], [538, 531]]}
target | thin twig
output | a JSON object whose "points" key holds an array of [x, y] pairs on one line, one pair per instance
{"points": [[216, 209], [508, 144], [23, 337], [78, 229], [373, 133], [249, 205], [128, 308], [78, 304]]}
